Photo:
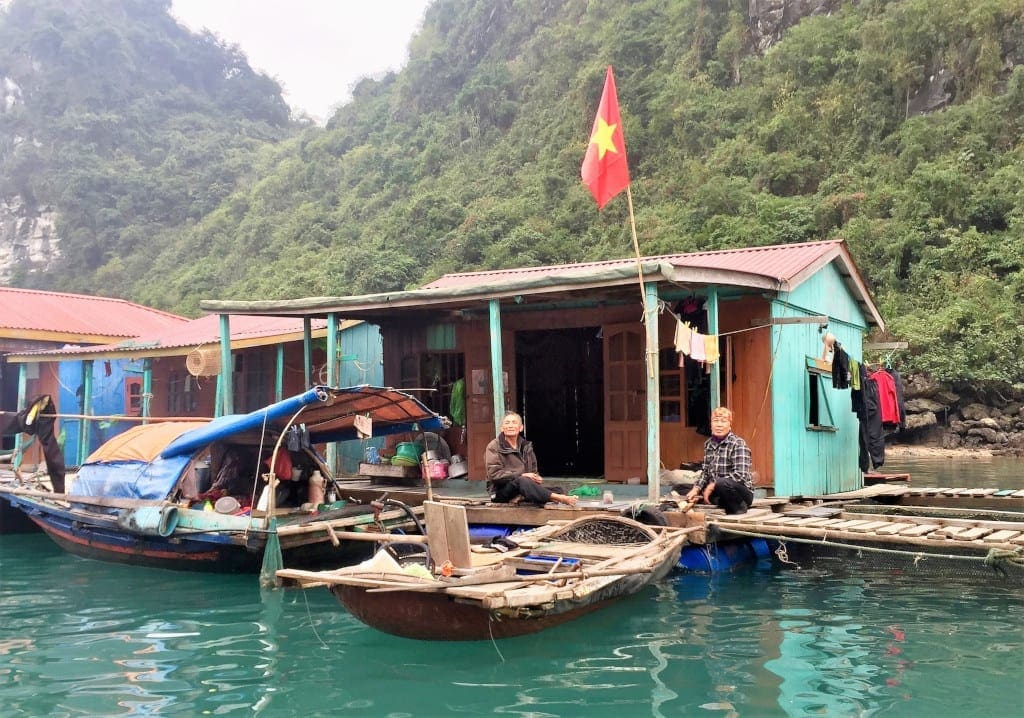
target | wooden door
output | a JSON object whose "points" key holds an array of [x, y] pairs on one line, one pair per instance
{"points": [[625, 387]]}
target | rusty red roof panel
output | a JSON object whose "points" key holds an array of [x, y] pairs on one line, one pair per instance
{"points": [[206, 330], [780, 263], [196, 333], [59, 313]]}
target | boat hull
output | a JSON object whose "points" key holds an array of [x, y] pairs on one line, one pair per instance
{"points": [[435, 616], [98, 536]]}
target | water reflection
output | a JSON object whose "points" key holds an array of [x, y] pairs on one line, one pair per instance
{"points": [[836, 638], [969, 470]]}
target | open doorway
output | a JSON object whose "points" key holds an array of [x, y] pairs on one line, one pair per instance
{"points": [[560, 393]]}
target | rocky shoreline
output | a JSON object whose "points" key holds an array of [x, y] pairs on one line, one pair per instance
{"points": [[967, 420]]}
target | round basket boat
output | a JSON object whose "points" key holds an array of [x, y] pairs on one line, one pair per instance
{"points": [[204, 361]]}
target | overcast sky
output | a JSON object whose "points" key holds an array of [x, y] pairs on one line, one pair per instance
{"points": [[316, 49]]}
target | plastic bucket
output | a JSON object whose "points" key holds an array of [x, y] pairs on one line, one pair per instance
{"points": [[437, 470], [408, 451]]}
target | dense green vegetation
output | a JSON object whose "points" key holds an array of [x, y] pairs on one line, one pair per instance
{"points": [[178, 178]]}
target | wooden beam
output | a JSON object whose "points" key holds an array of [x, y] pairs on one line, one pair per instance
{"points": [[775, 321], [884, 346]]}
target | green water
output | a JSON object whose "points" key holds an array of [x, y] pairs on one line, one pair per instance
{"points": [[84, 638]]}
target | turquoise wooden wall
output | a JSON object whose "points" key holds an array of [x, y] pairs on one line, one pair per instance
{"points": [[361, 354], [809, 462]]}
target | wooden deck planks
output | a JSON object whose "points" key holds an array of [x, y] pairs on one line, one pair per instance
{"points": [[1001, 536]]}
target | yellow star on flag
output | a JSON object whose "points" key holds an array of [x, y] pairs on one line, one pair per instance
{"points": [[602, 137]]}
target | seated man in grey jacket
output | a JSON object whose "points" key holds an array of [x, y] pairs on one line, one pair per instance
{"points": [[512, 468]]}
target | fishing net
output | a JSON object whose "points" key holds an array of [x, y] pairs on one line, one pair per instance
{"points": [[604, 530], [273, 561]]}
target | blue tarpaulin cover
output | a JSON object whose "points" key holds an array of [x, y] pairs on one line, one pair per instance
{"points": [[327, 413]]}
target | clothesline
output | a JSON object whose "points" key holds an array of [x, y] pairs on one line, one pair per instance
{"points": [[663, 307]]}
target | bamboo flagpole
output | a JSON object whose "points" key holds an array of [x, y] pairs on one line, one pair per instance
{"points": [[605, 172]]}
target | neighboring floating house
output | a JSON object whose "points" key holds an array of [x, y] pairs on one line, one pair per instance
{"points": [[177, 372], [568, 345], [32, 320]]}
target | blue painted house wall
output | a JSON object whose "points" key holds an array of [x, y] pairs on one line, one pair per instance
{"points": [[108, 399], [362, 352], [809, 461]]}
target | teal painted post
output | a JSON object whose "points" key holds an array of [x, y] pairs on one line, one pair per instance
{"points": [[85, 430], [653, 392], [218, 404], [279, 377], [22, 403], [307, 349], [147, 388], [497, 382], [227, 398], [332, 380], [716, 374]]}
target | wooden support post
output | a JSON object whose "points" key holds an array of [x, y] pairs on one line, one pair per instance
{"points": [[307, 350], [227, 399], [332, 380], [497, 375], [85, 430], [653, 392], [716, 375]]}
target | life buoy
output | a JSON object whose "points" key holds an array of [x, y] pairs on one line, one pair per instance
{"points": [[649, 515]]}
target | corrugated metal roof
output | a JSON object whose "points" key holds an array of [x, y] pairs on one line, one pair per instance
{"points": [[180, 339], [779, 263], [57, 313], [777, 268]]}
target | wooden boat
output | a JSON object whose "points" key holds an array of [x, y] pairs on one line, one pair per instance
{"points": [[141, 499], [549, 575]]}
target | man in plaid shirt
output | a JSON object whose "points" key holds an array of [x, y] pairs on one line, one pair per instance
{"points": [[725, 478]]}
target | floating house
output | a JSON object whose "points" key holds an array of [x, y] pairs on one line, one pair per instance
{"points": [[38, 321], [178, 372], [605, 393]]}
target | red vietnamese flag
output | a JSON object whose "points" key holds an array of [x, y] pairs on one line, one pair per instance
{"points": [[605, 171]]}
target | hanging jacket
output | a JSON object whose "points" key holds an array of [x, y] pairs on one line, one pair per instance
{"points": [[900, 405], [887, 398], [840, 368], [872, 436]]}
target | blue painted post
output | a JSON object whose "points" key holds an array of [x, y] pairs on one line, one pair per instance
{"points": [[279, 377], [653, 392], [497, 381], [716, 375], [307, 349], [85, 430], [147, 388], [22, 403], [332, 380], [227, 397]]}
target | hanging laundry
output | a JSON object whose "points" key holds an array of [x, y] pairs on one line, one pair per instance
{"points": [[854, 374], [887, 398], [865, 405], [711, 348], [697, 347], [840, 367], [900, 405], [683, 338]]}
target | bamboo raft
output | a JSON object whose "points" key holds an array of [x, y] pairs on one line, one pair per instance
{"points": [[997, 544]]}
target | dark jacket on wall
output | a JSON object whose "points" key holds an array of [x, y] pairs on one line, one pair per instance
{"points": [[868, 410]]}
